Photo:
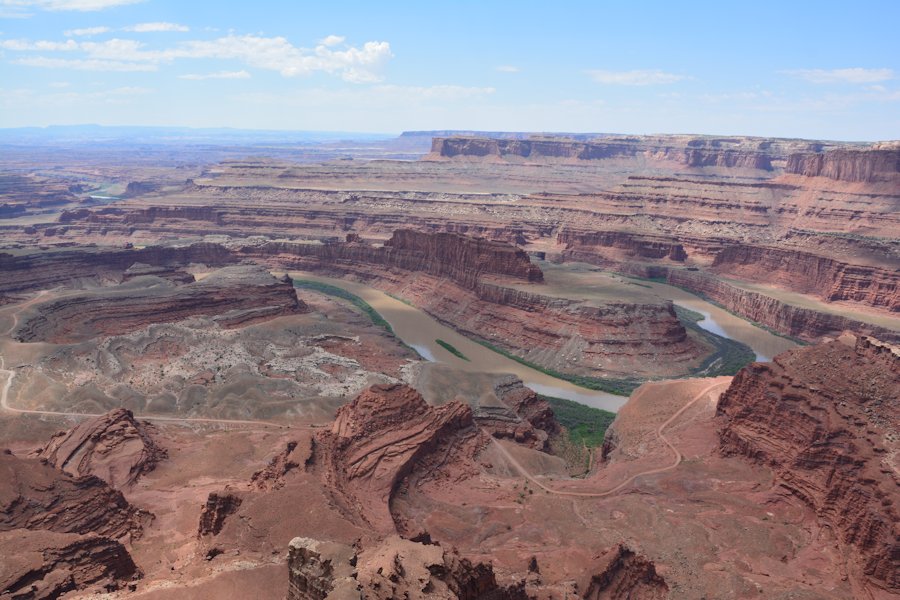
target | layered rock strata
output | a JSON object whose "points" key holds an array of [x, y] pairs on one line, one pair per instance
{"points": [[395, 568], [38, 496], [690, 151], [881, 163], [622, 574], [22, 272], [42, 565], [385, 437], [114, 447], [234, 296], [218, 507], [824, 419], [804, 323], [466, 284]]}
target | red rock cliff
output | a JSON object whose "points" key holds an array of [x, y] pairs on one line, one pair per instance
{"points": [[824, 419], [881, 163]]}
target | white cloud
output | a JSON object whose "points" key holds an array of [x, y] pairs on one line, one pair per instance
{"points": [[332, 40], [61, 5], [78, 64], [219, 75], [353, 64], [39, 46], [158, 26], [86, 31], [59, 84], [638, 77], [854, 75], [507, 69]]}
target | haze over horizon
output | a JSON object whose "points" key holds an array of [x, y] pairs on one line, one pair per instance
{"points": [[820, 71]]}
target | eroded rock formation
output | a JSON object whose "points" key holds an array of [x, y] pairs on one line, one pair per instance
{"points": [[218, 507], [234, 296], [114, 447], [881, 163], [42, 565], [825, 419], [467, 283], [388, 435], [804, 323], [691, 151], [395, 568], [623, 574], [38, 496]]}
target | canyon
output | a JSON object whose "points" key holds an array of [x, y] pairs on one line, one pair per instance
{"points": [[372, 371]]}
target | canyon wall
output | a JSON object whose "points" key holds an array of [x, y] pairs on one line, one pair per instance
{"points": [[233, 296], [623, 338], [689, 151], [828, 278], [804, 323], [878, 164], [824, 419], [22, 272]]}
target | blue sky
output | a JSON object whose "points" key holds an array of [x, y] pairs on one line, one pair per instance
{"points": [[796, 69]]}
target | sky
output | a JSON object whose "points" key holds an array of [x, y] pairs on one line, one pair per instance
{"points": [[813, 69]]}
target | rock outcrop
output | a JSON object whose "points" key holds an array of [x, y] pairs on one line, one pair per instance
{"points": [[467, 283], [522, 415], [690, 151], [622, 574], [38, 496], [797, 321], [114, 447], [232, 296], [828, 278], [218, 507], [385, 438], [462, 259], [824, 419], [22, 272], [42, 565], [395, 568], [272, 476], [880, 164]]}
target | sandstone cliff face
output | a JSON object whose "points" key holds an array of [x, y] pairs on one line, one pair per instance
{"points": [[828, 278], [234, 296], [218, 507], [623, 574], [825, 420], [44, 270], [394, 568], [462, 259], [868, 165], [612, 337], [690, 151], [583, 245], [387, 435], [114, 447], [42, 565], [796, 321], [37, 496]]}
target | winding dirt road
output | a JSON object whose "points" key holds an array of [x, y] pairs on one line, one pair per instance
{"points": [[659, 433], [10, 375]]}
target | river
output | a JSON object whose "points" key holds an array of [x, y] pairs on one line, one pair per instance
{"points": [[421, 331]]}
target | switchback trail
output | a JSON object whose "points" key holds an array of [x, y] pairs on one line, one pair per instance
{"points": [[659, 433]]}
